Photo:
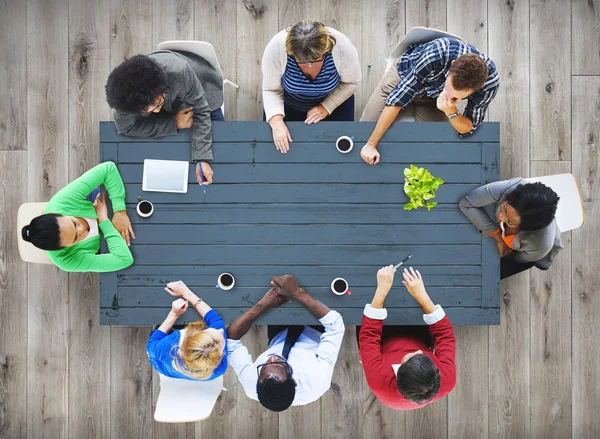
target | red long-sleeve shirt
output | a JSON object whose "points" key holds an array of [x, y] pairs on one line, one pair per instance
{"points": [[377, 359]]}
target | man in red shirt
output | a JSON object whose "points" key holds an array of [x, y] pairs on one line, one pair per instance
{"points": [[401, 370]]}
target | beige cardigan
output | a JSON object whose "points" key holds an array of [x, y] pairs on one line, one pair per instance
{"points": [[274, 60]]}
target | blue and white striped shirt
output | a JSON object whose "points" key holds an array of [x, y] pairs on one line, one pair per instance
{"points": [[423, 71], [302, 94]]}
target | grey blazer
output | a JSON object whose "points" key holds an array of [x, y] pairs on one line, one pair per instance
{"points": [[191, 82], [530, 246]]}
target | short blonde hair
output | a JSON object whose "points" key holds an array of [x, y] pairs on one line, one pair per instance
{"points": [[308, 41], [199, 354]]}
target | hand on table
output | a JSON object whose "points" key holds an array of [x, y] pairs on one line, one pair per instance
{"points": [[122, 223], [273, 298], [281, 134], [100, 207], [370, 154], [287, 284], [179, 307], [414, 284], [184, 118], [316, 114], [385, 279], [179, 289], [207, 171]]}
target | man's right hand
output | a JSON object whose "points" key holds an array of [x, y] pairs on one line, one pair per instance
{"points": [[414, 284], [370, 154], [281, 134], [273, 298], [183, 119], [287, 284]]}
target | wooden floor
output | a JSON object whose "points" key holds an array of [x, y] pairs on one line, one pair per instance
{"points": [[62, 375]]}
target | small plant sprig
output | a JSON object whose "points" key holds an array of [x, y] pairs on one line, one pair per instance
{"points": [[420, 186]]}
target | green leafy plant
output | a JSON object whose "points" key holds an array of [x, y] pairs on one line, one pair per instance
{"points": [[420, 187]]}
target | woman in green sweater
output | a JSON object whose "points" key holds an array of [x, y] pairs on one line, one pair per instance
{"points": [[69, 228]]}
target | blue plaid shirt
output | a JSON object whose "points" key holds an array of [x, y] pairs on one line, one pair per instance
{"points": [[423, 71]]}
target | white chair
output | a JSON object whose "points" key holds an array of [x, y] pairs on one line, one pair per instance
{"points": [[27, 251], [202, 49], [569, 213], [416, 35]]}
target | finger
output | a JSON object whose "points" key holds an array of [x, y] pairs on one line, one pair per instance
{"points": [[412, 271], [404, 283], [311, 118], [97, 197], [376, 160], [419, 275], [131, 230], [289, 136], [286, 146], [187, 110]]}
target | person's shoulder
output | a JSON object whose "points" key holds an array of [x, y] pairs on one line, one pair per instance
{"points": [[171, 62]]}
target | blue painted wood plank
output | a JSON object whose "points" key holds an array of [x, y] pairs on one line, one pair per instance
{"points": [[297, 214], [322, 132], [304, 152], [299, 316], [295, 193], [349, 255], [307, 276], [490, 258], [319, 173]]}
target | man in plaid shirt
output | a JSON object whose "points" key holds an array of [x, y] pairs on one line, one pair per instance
{"points": [[434, 76]]}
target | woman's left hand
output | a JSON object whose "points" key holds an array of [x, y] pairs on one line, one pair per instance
{"points": [[123, 225], [316, 114], [179, 307]]}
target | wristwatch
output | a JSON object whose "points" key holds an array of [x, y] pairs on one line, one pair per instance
{"points": [[198, 302], [453, 115]]}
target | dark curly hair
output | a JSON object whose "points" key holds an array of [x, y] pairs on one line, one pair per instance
{"points": [[418, 379], [469, 72], [135, 84], [276, 395], [536, 204]]}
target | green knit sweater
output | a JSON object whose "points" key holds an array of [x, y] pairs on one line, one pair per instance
{"points": [[71, 201]]}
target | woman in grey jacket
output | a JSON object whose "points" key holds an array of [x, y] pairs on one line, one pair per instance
{"points": [[524, 226]]}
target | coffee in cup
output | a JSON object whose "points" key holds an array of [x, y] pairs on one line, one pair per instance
{"points": [[339, 286], [226, 281], [144, 208], [344, 144]]}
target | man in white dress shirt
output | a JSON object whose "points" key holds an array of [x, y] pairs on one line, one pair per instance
{"points": [[297, 367]]}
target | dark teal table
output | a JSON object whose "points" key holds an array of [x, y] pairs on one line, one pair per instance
{"points": [[313, 212]]}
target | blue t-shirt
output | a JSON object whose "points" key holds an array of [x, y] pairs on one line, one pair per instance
{"points": [[160, 349]]}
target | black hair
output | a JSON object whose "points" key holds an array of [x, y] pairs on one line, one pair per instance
{"points": [[418, 379], [536, 204], [135, 84], [43, 232], [276, 395]]}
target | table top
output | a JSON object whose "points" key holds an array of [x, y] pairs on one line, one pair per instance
{"points": [[314, 213]]}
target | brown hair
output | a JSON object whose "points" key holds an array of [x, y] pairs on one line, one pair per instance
{"points": [[308, 41], [469, 72], [199, 354]]}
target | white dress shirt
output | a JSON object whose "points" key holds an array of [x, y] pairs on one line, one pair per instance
{"points": [[312, 358]]}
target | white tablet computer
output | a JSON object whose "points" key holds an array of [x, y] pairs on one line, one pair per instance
{"points": [[165, 176]]}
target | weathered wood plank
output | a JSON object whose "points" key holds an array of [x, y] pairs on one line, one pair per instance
{"points": [[13, 299], [585, 275], [427, 13], [172, 20], [256, 25], [509, 390], [47, 159], [247, 296], [217, 234], [222, 421], [168, 430], [550, 69], [13, 74], [308, 276], [305, 152], [585, 41], [89, 343], [298, 193], [300, 316], [551, 341], [214, 19], [329, 132], [320, 173], [130, 382], [429, 421], [348, 255], [468, 20], [298, 214]]}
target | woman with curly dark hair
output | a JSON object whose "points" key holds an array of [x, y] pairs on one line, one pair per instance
{"points": [[524, 227], [157, 94]]}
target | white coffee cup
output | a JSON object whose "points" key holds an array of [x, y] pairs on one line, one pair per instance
{"points": [[226, 281], [342, 286], [349, 139], [142, 208]]}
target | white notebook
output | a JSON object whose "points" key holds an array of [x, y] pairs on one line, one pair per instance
{"points": [[165, 176]]}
